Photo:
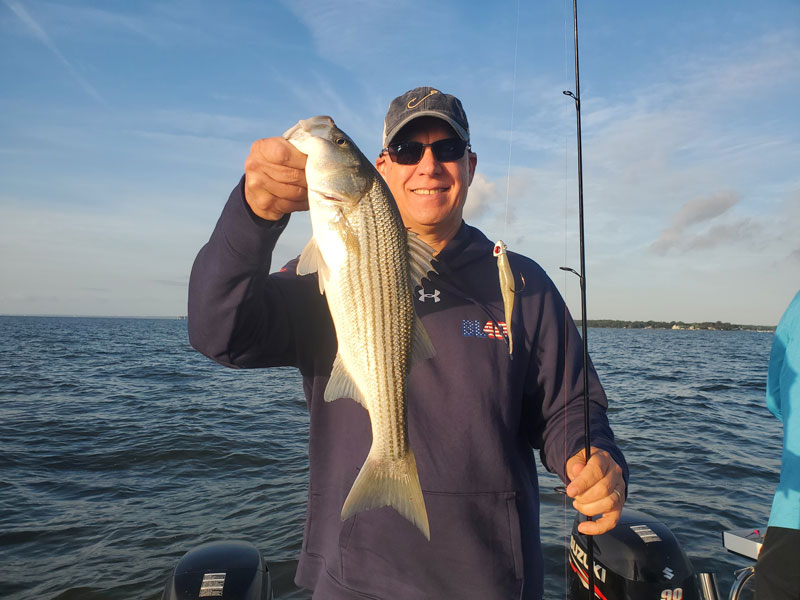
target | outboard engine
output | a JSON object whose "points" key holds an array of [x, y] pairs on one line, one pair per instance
{"points": [[639, 559], [227, 570]]}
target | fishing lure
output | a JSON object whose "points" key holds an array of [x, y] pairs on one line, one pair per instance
{"points": [[506, 287]]}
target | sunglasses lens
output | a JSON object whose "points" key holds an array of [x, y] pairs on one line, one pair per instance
{"points": [[410, 153], [448, 150], [407, 153]]}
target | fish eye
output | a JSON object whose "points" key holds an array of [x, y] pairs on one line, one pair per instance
{"points": [[341, 141]]}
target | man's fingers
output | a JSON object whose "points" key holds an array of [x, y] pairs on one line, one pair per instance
{"points": [[262, 184], [575, 465], [278, 151], [601, 502], [598, 527], [280, 173], [275, 178], [590, 473], [597, 488]]}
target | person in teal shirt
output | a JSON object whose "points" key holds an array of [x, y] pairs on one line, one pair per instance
{"points": [[778, 566]]}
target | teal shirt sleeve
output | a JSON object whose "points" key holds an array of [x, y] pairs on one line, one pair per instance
{"points": [[777, 360], [783, 400]]}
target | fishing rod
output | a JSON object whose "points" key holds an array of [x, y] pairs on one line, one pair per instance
{"points": [[576, 96]]}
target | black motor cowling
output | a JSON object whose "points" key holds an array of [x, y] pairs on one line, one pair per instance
{"points": [[638, 559], [227, 570]]}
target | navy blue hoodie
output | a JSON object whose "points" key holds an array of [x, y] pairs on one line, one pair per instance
{"points": [[474, 414]]}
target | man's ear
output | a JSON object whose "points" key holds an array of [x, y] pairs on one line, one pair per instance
{"points": [[380, 164], [473, 162]]}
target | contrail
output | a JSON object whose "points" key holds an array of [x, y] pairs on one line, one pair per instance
{"points": [[42, 36]]}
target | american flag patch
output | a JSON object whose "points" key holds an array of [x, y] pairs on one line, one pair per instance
{"points": [[496, 330]]}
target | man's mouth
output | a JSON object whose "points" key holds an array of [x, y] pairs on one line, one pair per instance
{"points": [[429, 192]]}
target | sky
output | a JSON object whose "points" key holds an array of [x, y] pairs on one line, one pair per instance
{"points": [[125, 125]]}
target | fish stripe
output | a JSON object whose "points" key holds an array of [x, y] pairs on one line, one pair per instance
{"points": [[367, 286]]}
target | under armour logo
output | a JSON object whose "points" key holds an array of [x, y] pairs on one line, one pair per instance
{"points": [[434, 295]]}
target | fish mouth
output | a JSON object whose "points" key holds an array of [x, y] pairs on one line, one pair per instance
{"points": [[328, 197]]}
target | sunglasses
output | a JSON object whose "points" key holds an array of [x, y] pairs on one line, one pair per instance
{"points": [[410, 153]]}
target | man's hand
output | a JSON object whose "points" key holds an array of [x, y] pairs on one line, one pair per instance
{"points": [[275, 179], [597, 488]]}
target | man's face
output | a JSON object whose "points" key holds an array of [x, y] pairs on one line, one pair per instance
{"points": [[430, 194]]}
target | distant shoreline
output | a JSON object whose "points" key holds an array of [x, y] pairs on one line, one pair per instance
{"points": [[600, 323], [159, 317], [677, 325]]}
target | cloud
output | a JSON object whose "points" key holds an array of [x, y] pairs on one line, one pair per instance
{"points": [[40, 34], [693, 213], [482, 195], [352, 34], [129, 261], [744, 229], [703, 209]]}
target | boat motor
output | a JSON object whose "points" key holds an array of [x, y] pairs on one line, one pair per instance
{"points": [[638, 559], [226, 570]]}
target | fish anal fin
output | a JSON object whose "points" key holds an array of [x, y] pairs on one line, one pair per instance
{"points": [[341, 384], [386, 482]]}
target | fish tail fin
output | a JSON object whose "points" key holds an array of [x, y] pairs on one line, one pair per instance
{"points": [[385, 482]]}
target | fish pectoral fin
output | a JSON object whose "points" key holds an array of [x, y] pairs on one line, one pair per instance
{"points": [[420, 260], [385, 482], [421, 345], [341, 384], [347, 233], [312, 261]]}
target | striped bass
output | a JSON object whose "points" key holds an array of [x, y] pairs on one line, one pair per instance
{"points": [[367, 264]]}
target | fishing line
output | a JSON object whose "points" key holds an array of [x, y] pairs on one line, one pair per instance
{"points": [[511, 129]]}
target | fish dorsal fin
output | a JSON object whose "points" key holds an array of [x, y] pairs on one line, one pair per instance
{"points": [[420, 263], [312, 261], [341, 384], [420, 260], [421, 345]]}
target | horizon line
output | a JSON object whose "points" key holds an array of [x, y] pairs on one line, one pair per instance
{"points": [[185, 317]]}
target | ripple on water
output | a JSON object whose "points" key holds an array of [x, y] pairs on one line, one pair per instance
{"points": [[121, 448]]}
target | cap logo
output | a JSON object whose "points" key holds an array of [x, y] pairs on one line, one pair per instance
{"points": [[414, 103]]}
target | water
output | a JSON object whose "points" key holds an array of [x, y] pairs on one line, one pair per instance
{"points": [[121, 448]]}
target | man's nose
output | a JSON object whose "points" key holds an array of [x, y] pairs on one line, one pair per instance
{"points": [[428, 163]]}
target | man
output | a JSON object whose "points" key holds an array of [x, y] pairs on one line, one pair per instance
{"points": [[777, 575], [474, 412]]}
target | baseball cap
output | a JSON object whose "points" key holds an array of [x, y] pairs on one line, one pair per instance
{"points": [[424, 102]]}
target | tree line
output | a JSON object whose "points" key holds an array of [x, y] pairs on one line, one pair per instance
{"points": [[716, 325]]}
